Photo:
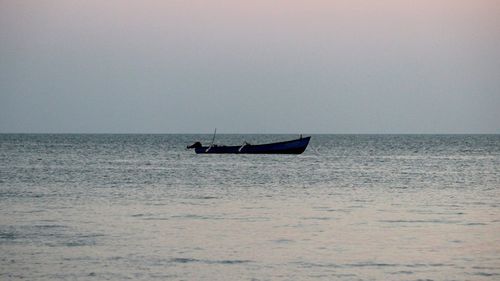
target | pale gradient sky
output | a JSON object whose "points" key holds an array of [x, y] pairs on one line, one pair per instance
{"points": [[250, 66]]}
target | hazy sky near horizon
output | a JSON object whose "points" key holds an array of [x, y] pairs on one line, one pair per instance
{"points": [[250, 66]]}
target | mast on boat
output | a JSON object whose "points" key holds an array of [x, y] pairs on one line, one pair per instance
{"points": [[213, 139]]}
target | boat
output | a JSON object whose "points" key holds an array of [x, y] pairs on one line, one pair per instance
{"points": [[296, 146]]}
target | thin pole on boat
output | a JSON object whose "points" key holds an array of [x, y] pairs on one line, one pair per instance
{"points": [[213, 138]]}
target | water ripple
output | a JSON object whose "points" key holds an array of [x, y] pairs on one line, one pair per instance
{"points": [[191, 260]]}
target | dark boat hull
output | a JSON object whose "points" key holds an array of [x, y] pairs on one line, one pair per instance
{"points": [[287, 147]]}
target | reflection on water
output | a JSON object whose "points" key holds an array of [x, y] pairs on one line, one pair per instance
{"points": [[350, 208]]}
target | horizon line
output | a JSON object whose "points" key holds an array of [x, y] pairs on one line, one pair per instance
{"points": [[254, 133]]}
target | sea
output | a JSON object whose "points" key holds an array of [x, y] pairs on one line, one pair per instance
{"points": [[351, 207]]}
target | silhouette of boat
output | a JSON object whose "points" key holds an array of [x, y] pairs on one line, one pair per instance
{"points": [[296, 146]]}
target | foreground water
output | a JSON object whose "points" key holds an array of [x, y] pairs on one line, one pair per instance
{"points": [[352, 207]]}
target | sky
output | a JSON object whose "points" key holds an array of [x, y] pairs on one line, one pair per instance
{"points": [[428, 66]]}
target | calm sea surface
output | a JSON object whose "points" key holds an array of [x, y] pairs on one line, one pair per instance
{"points": [[352, 207]]}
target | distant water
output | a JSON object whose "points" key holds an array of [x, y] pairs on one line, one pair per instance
{"points": [[352, 207]]}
